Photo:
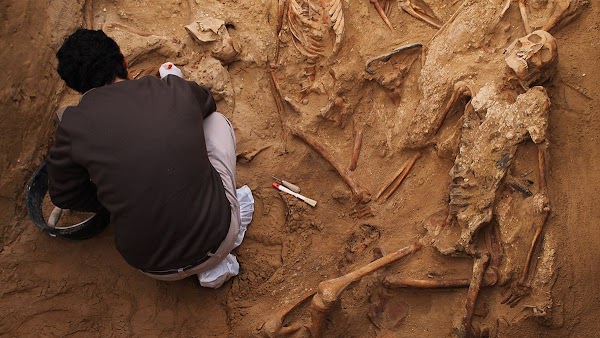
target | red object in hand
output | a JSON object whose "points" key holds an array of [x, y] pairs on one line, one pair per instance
{"points": [[169, 66]]}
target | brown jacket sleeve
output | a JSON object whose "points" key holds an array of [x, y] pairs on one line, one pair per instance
{"points": [[69, 183], [205, 99]]}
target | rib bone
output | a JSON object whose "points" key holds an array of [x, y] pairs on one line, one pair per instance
{"points": [[336, 18], [307, 34]]}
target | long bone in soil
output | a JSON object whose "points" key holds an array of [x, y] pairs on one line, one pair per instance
{"points": [[273, 327], [329, 291], [360, 194]]}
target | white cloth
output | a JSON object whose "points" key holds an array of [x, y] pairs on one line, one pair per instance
{"points": [[229, 267], [169, 68]]}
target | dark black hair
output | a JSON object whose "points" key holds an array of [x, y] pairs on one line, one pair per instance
{"points": [[90, 59]]}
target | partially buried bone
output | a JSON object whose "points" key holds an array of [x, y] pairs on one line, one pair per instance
{"points": [[383, 10], [420, 10], [273, 327], [329, 291], [360, 193], [214, 32], [479, 268], [88, 14], [306, 19], [358, 136], [398, 177]]}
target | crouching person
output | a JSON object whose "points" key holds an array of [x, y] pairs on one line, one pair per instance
{"points": [[157, 155]]}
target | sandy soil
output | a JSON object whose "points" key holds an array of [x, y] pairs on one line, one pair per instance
{"points": [[54, 287]]}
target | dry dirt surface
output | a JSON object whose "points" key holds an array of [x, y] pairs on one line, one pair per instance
{"points": [[285, 90]]}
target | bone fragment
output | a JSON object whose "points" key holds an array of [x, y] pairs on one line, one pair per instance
{"points": [[393, 282], [461, 89], [329, 291], [213, 31], [358, 136], [397, 282], [282, 9], [387, 56], [505, 7], [248, 155], [276, 92]]}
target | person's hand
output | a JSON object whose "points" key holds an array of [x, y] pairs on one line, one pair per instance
{"points": [[169, 68]]}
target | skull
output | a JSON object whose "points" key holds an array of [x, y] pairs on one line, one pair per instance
{"points": [[533, 58]]}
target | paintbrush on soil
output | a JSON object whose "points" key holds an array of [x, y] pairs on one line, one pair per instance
{"points": [[308, 201]]}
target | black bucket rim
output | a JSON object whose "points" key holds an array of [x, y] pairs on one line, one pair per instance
{"points": [[34, 200]]}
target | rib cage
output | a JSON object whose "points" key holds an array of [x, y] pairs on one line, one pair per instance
{"points": [[309, 24]]}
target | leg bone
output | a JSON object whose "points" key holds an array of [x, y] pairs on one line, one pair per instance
{"points": [[281, 14], [474, 287], [461, 89], [522, 287], [396, 282], [274, 326], [330, 291], [360, 193]]}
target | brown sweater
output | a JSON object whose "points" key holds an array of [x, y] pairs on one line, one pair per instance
{"points": [[137, 148]]}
